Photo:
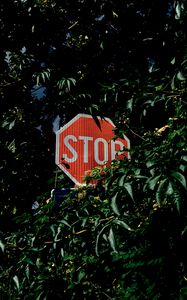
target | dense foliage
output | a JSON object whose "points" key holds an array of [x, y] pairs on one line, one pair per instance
{"points": [[126, 238]]}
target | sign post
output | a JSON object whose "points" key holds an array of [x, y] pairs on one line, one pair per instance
{"points": [[83, 144]]}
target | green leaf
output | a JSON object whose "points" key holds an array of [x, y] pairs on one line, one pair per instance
{"points": [[140, 177], [151, 182], [180, 178], [180, 76], [27, 271], [16, 280], [62, 252], [122, 180], [170, 189], [112, 240], [128, 188], [176, 199], [177, 11], [53, 230], [98, 237], [151, 166], [184, 157], [81, 275], [173, 83], [114, 205], [95, 106], [122, 224], [29, 261], [72, 80], [2, 246], [129, 104], [65, 223], [159, 192], [39, 296]]}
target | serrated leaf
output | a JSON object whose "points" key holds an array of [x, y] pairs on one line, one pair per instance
{"points": [[114, 205], [112, 240], [16, 280], [180, 178]]}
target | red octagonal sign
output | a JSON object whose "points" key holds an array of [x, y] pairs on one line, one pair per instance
{"points": [[84, 143]]}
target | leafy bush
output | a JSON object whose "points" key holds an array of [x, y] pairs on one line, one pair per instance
{"points": [[127, 241]]}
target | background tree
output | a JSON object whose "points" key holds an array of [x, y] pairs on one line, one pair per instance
{"points": [[94, 56]]}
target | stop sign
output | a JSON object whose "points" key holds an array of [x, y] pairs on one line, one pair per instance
{"points": [[83, 144]]}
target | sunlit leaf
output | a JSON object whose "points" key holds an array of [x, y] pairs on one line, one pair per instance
{"points": [[122, 180], [122, 224], [2, 246], [177, 11], [16, 280], [180, 76]]}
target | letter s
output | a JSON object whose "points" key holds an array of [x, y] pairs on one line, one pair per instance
{"points": [[70, 148]]}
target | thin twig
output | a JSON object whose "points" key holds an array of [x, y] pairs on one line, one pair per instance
{"points": [[74, 24], [134, 132], [107, 295]]}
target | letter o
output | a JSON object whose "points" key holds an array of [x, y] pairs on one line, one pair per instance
{"points": [[96, 151]]}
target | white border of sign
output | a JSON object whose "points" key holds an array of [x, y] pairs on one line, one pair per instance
{"points": [[58, 142]]}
